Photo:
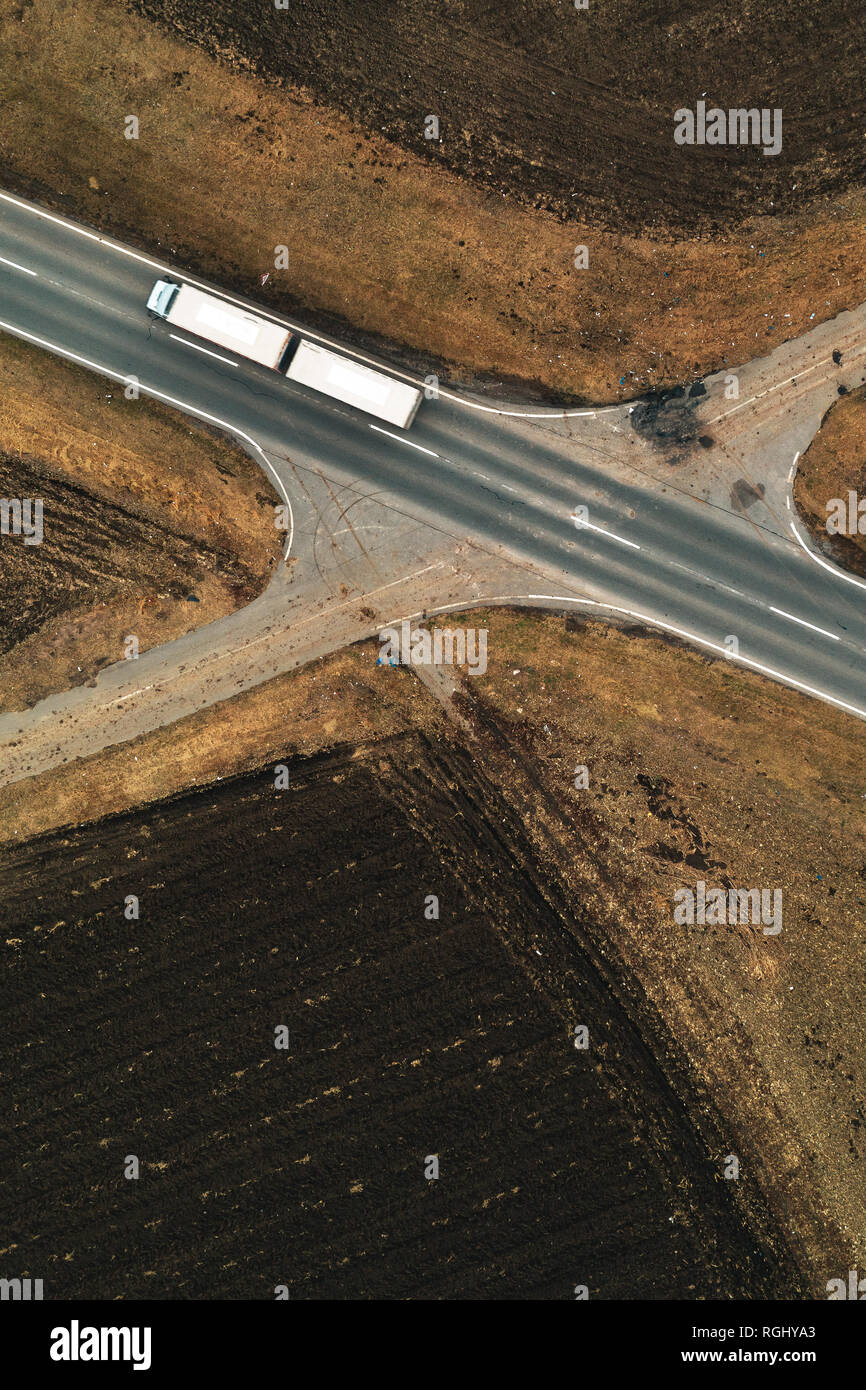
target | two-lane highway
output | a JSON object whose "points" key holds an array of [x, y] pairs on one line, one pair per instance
{"points": [[708, 572]]}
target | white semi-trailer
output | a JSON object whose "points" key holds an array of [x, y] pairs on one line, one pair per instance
{"points": [[227, 325], [354, 384]]}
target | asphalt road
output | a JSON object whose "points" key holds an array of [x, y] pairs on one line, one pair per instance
{"points": [[663, 544]]}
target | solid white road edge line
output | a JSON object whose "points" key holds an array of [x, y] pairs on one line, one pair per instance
{"points": [[170, 400], [834, 569], [651, 622], [287, 323], [840, 574]]}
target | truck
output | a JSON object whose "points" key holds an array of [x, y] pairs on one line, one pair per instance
{"points": [[354, 384], [217, 321]]}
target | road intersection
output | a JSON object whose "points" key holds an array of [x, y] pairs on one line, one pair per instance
{"points": [[683, 507]]}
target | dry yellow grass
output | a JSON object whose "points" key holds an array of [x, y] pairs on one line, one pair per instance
{"points": [[832, 466], [227, 168], [685, 758], [141, 507], [137, 453], [317, 704]]}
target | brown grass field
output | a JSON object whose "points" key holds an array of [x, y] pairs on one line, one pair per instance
{"points": [[389, 246], [834, 465], [697, 770], [141, 509]]}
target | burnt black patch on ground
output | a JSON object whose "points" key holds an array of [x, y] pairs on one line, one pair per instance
{"points": [[574, 111], [667, 419], [689, 847], [408, 1038]]}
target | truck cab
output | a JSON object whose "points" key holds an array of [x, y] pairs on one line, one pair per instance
{"points": [[161, 296]]}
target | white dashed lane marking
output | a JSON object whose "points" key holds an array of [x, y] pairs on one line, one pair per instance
{"points": [[802, 621], [400, 440], [16, 266], [206, 351]]}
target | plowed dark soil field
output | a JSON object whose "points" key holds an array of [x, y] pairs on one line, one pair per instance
{"points": [[573, 110], [408, 1037], [93, 551]]}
